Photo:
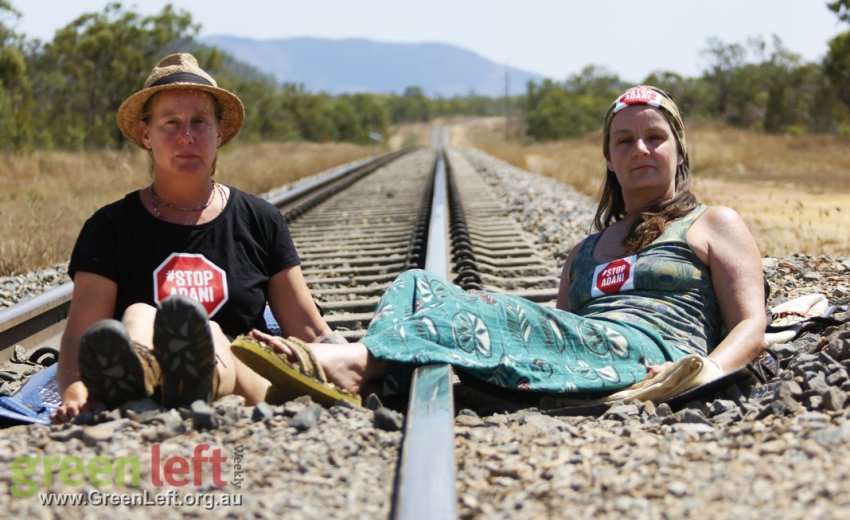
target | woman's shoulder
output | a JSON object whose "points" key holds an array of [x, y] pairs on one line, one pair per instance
{"points": [[118, 207], [718, 228], [254, 210], [720, 217], [248, 199]]}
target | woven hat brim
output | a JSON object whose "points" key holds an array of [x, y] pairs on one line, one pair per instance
{"points": [[130, 111]]}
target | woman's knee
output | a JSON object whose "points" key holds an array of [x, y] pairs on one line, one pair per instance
{"points": [[138, 311], [138, 318]]}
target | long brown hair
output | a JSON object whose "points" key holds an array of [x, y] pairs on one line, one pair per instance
{"points": [[654, 220]]}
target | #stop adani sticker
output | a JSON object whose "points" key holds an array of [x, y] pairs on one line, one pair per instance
{"points": [[191, 275], [614, 277]]}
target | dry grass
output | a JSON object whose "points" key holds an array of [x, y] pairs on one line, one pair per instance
{"points": [[46, 197], [793, 191], [411, 134]]}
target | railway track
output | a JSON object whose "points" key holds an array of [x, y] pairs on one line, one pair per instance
{"points": [[355, 232], [738, 454]]}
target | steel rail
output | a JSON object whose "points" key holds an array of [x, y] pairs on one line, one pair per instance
{"points": [[426, 481], [36, 321], [301, 199]]}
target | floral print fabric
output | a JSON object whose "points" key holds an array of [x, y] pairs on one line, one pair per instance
{"points": [[506, 340]]}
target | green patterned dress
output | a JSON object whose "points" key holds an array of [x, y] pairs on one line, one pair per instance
{"points": [[651, 307]]}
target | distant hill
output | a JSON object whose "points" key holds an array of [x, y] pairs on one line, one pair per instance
{"points": [[358, 65]]}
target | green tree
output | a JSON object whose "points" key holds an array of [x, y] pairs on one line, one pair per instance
{"points": [[723, 63], [267, 116], [412, 106], [556, 111], [841, 8], [95, 62], [836, 66], [690, 93], [15, 86], [762, 85], [595, 81], [813, 100], [547, 111], [372, 116]]}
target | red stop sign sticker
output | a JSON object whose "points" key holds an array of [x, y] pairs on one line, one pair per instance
{"points": [[614, 277], [191, 275]]}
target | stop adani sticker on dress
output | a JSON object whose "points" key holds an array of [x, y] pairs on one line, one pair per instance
{"points": [[191, 275], [614, 277]]}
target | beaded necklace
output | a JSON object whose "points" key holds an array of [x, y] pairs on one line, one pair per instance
{"points": [[156, 201]]}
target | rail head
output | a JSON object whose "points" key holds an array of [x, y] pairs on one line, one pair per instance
{"points": [[34, 321], [297, 192], [27, 309], [426, 481]]}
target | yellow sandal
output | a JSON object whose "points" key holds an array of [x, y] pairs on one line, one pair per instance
{"points": [[289, 379]]}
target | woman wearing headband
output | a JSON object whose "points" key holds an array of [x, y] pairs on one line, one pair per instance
{"points": [[171, 254], [664, 277]]}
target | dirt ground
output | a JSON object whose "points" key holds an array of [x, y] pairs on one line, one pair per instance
{"points": [[785, 219]]}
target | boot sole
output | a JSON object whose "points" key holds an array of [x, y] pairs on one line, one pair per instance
{"points": [[109, 368], [183, 346]]}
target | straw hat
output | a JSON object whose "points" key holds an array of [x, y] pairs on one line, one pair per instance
{"points": [[180, 71]]}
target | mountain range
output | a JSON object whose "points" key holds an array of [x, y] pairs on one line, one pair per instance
{"points": [[359, 65]]}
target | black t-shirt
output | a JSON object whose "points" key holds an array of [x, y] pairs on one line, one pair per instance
{"points": [[225, 264]]}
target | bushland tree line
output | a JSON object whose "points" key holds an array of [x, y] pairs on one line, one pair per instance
{"points": [[63, 94], [758, 84]]}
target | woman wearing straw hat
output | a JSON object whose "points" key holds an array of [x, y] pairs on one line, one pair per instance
{"points": [[664, 279], [171, 254]]}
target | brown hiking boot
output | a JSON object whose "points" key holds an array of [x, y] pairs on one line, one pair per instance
{"points": [[183, 345], [115, 369]]}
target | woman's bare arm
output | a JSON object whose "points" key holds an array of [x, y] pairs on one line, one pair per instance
{"points": [[563, 302], [93, 299], [293, 307], [721, 238]]}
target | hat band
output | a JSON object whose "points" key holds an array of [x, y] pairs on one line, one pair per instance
{"points": [[181, 77]]}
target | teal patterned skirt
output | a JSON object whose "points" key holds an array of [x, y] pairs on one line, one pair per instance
{"points": [[506, 340]]}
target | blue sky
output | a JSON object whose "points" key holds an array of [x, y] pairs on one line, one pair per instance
{"points": [[555, 38]]}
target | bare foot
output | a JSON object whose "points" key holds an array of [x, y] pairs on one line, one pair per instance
{"points": [[347, 365]]}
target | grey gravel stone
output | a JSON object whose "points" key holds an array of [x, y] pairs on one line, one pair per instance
{"points": [[308, 417], [102, 432], [203, 416], [834, 399], [67, 433], [388, 420], [372, 402], [262, 412], [141, 410]]}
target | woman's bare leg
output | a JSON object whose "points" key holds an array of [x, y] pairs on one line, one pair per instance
{"points": [[138, 318], [234, 376]]}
